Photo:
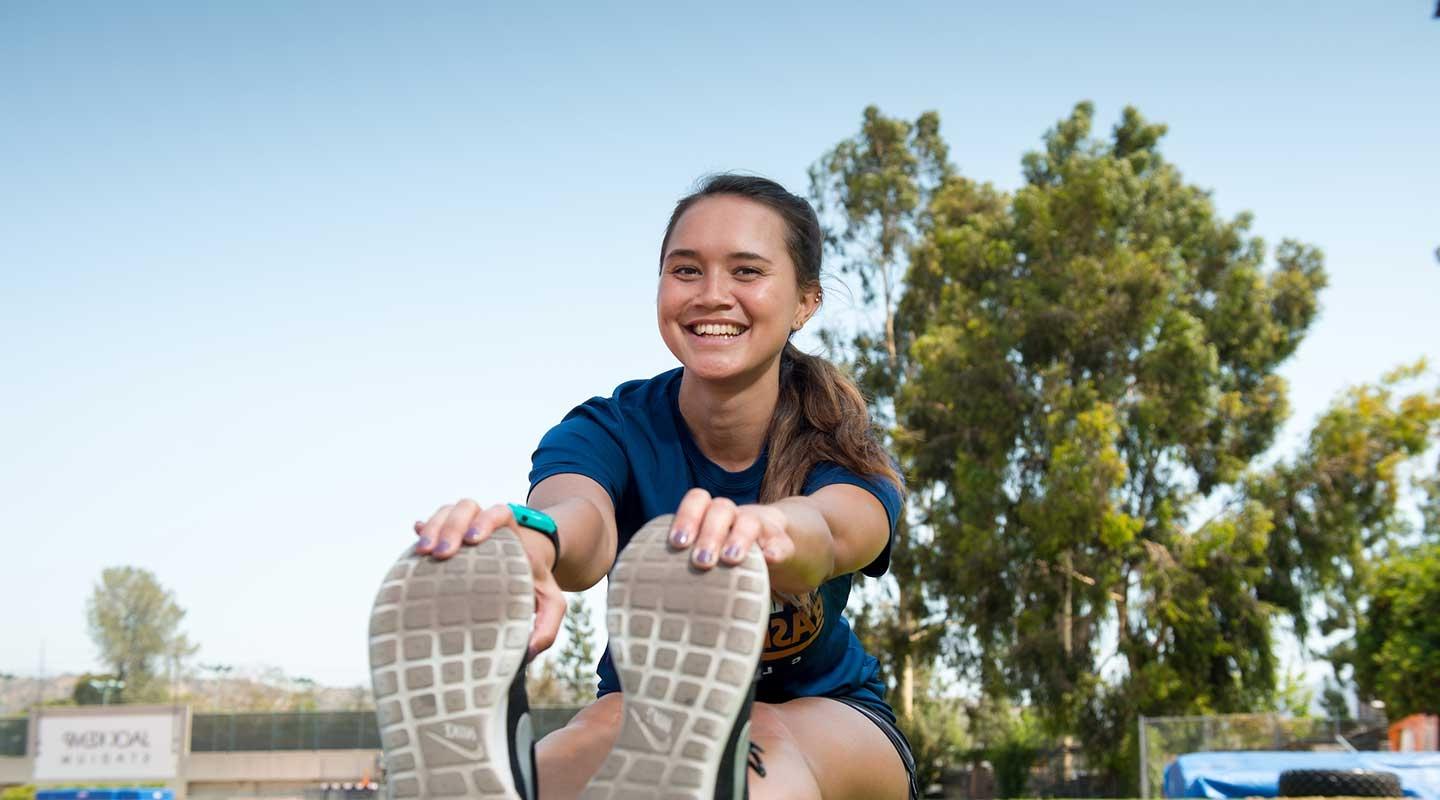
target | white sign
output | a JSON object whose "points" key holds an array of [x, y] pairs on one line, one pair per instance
{"points": [[111, 747]]}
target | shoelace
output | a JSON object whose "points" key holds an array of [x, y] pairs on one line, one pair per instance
{"points": [[755, 762]]}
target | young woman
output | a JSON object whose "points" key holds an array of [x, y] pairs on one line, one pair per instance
{"points": [[766, 459]]}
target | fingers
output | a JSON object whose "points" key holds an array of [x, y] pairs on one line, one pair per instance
{"points": [[688, 518], [429, 531], [549, 614], [775, 544], [743, 534], [487, 522], [720, 532], [714, 530], [450, 533], [463, 522]]}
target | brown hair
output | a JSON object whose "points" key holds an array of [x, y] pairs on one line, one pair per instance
{"points": [[821, 415]]}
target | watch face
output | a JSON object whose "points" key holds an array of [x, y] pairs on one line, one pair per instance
{"points": [[530, 518]]}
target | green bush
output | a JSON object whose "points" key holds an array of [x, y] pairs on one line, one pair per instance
{"points": [[1015, 739], [26, 792], [938, 736]]}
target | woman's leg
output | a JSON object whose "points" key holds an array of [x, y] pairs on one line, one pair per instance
{"points": [[821, 748], [814, 749], [567, 758]]}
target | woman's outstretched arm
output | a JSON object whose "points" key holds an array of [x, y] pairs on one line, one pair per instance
{"points": [[585, 518], [806, 540]]}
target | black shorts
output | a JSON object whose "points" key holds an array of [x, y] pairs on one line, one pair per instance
{"points": [[902, 745]]}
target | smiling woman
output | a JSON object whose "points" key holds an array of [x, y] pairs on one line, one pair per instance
{"points": [[726, 306], [731, 501]]}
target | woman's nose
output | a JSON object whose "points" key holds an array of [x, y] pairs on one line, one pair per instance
{"points": [[715, 290]]}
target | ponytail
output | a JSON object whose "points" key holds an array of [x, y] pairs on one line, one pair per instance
{"points": [[820, 416]]}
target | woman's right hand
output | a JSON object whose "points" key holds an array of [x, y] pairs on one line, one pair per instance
{"points": [[467, 523]]}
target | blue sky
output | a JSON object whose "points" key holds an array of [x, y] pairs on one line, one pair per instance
{"points": [[277, 278]]}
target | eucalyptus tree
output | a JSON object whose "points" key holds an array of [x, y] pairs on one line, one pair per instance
{"points": [[1094, 362], [872, 190]]}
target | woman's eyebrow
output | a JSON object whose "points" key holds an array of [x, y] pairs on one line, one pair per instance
{"points": [[738, 255]]}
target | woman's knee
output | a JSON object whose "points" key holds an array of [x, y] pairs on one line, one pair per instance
{"points": [[766, 723], [787, 774], [848, 755], [594, 728]]}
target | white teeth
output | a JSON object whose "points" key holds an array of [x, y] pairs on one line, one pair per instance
{"points": [[718, 330]]}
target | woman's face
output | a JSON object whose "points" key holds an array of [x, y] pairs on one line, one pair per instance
{"points": [[728, 298]]}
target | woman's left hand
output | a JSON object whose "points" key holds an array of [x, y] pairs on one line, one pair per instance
{"points": [[719, 531]]}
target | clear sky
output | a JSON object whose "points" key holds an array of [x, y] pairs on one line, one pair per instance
{"points": [[278, 278]]}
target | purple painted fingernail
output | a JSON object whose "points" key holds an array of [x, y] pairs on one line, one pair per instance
{"points": [[472, 535], [680, 537], [732, 552], [442, 547], [705, 556], [422, 544]]}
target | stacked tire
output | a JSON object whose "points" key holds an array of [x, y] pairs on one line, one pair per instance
{"points": [[1339, 783]]}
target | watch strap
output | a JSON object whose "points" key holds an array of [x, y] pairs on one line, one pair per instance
{"points": [[537, 520]]}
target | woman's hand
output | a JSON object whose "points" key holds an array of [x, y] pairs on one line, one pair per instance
{"points": [[719, 531], [466, 523]]}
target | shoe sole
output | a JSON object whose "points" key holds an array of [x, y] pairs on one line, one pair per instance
{"points": [[686, 644], [447, 639]]}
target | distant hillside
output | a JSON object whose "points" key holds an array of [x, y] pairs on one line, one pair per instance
{"points": [[17, 694], [267, 691]]}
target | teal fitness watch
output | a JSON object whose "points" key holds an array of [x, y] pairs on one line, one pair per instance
{"points": [[538, 521]]}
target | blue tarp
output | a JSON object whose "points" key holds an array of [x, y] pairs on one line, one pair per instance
{"points": [[1257, 774], [104, 794]]}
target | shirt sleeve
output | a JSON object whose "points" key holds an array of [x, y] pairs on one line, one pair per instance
{"points": [[827, 473], [586, 442]]}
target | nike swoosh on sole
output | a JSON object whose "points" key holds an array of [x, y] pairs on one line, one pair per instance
{"points": [[473, 755], [661, 744]]}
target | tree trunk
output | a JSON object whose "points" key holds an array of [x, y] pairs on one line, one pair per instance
{"points": [[1067, 644], [906, 624], [903, 618]]}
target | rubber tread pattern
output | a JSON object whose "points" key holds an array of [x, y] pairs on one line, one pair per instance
{"points": [[1338, 783], [686, 644], [447, 638]]}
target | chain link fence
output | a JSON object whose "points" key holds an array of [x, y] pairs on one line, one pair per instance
{"points": [[14, 733], [301, 730], [1162, 739], [311, 730]]}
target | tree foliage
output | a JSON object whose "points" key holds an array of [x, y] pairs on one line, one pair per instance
{"points": [[1097, 355], [576, 661], [1074, 366], [135, 623], [1336, 504], [93, 689], [1397, 647], [871, 191], [1082, 379], [1396, 653]]}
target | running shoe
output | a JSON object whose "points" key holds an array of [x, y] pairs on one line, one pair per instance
{"points": [[686, 644], [447, 661]]}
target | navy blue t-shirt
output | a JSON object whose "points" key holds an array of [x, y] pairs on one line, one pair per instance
{"points": [[637, 446]]}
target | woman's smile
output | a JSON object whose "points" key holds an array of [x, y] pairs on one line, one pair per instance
{"points": [[716, 334]]}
